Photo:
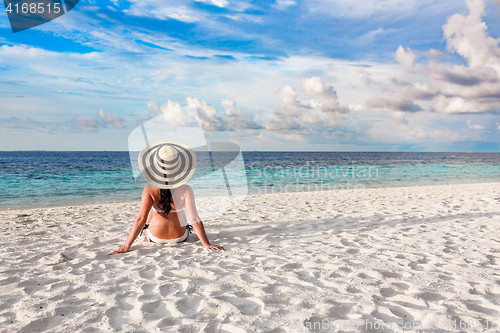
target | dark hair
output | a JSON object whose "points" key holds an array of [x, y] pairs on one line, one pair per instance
{"points": [[165, 200]]}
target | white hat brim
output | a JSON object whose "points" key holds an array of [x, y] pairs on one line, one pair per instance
{"points": [[157, 176]]}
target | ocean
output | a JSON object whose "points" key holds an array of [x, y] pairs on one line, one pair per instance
{"points": [[40, 179]]}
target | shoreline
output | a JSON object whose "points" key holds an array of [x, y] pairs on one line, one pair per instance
{"points": [[130, 201]]}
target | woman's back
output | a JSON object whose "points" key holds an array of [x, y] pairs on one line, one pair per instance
{"points": [[167, 224]]}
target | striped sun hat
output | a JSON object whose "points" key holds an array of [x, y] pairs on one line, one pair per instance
{"points": [[167, 164]]}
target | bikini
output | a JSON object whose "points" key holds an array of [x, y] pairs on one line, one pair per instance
{"points": [[182, 220]]}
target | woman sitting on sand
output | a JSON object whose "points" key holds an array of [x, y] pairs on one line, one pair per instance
{"points": [[165, 202]]}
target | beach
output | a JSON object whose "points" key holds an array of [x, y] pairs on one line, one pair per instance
{"points": [[364, 260]]}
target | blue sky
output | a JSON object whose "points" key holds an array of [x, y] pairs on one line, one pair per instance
{"points": [[334, 75]]}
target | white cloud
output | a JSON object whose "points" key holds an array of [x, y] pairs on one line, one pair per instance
{"points": [[288, 95], [170, 107], [176, 115], [86, 124], [453, 89], [476, 87], [394, 103], [322, 108], [240, 121], [89, 124], [399, 117], [370, 8], [14, 124], [372, 35], [405, 58], [209, 118], [359, 8], [163, 10], [498, 124], [324, 97], [467, 35], [25, 52], [31, 124], [238, 6], [419, 91], [418, 131], [152, 106], [218, 3], [235, 121], [244, 17], [457, 104], [319, 111], [110, 119], [476, 127], [284, 4], [435, 54]]}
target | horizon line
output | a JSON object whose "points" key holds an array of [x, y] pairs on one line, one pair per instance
{"points": [[262, 151]]}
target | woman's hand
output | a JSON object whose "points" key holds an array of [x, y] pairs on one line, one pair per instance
{"points": [[215, 247], [121, 249]]}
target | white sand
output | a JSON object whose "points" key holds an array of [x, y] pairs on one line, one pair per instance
{"points": [[407, 255]]}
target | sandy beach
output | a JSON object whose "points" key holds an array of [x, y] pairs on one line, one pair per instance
{"points": [[371, 260]]}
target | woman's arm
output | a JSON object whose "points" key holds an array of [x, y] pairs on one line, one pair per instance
{"points": [[146, 203], [196, 221]]}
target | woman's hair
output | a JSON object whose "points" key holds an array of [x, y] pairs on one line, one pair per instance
{"points": [[165, 200]]}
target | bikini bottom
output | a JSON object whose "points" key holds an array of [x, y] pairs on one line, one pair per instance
{"points": [[154, 239]]}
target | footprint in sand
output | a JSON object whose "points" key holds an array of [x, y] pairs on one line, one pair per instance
{"points": [[446, 277], [169, 289], [401, 313], [189, 304], [340, 310], [472, 305], [431, 297], [291, 267], [126, 300], [353, 290], [391, 275], [41, 325], [345, 269], [400, 285], [492, 291], [387, 292], [369, 275], [245, 305], [491, 259], [155, 310], [346, 243], [147, 272]]}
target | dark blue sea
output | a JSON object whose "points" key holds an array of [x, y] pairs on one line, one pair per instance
{"points": [[40, 179]]}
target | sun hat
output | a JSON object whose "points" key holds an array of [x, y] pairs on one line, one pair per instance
{"points": [[167, 165]]}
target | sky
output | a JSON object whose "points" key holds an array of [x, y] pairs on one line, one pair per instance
{"points": [[282, 75]]}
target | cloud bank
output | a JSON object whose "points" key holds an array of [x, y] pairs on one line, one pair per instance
{"points": [[320, 110], [453, 89]]}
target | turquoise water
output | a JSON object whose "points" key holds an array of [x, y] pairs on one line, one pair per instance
{"points": [[334, 177], [34, 179]]}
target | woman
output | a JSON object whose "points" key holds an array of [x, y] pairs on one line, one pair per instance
{"points": [[165, 202]]}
